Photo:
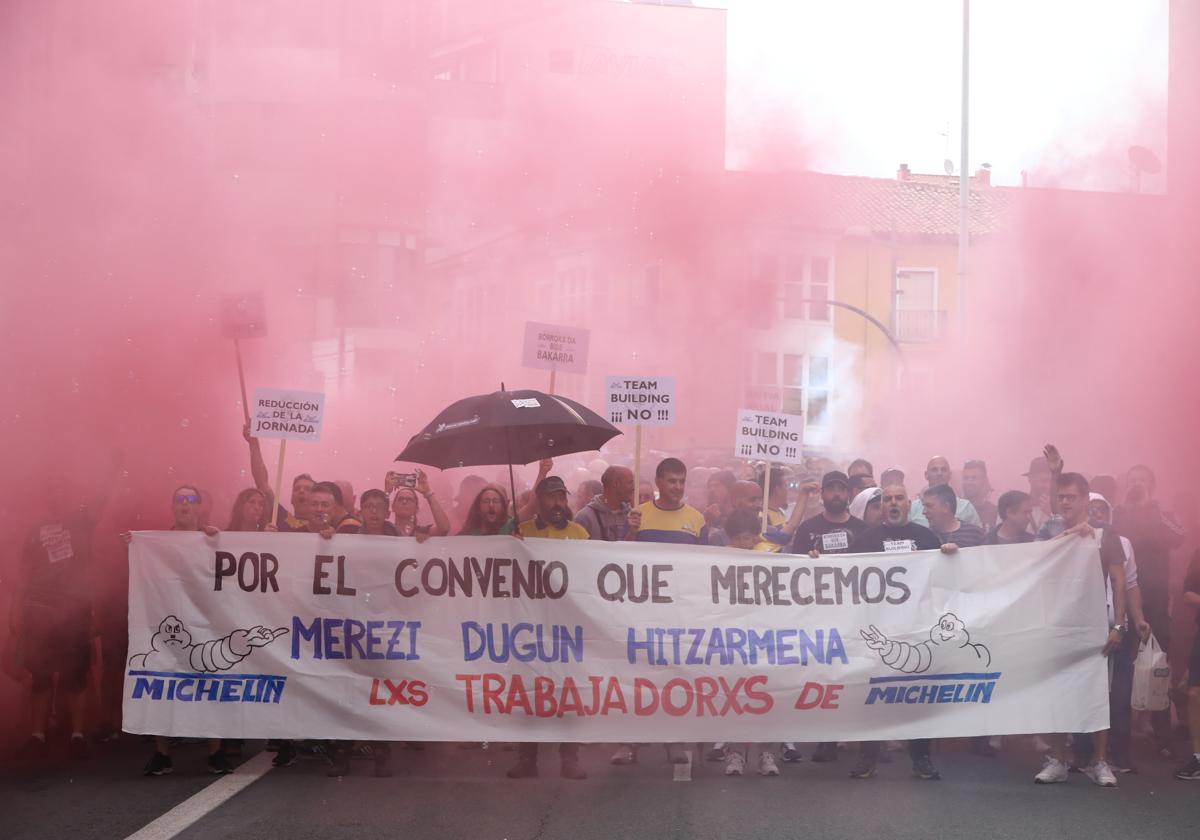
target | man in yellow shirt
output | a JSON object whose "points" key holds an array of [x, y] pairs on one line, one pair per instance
{"points": [[553, 518], [553, 521], [667, 519]]}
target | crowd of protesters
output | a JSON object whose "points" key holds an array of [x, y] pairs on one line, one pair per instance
{"points": [[813, 512]]}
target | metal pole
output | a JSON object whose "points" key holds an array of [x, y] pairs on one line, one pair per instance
{"points": [[964, 191]]}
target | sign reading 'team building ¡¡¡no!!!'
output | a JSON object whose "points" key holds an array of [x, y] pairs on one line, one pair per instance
{"points": [[646, 400], [291, 415], [768, 436]]}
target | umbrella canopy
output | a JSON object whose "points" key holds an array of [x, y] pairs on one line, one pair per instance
{"points": [[507, 427]]}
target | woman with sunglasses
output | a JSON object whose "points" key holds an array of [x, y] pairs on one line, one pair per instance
{"points": [[185, 510], [406, 504]]}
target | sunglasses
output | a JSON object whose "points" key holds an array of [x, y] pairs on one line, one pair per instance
{"points": [[190, 498]]}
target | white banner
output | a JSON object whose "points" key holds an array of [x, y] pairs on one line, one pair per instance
{"points": [[494, 639], [644, 400], [769, 436], [294, 415]]}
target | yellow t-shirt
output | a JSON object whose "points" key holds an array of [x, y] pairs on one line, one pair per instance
{"points": [[775, 518], [572, 531], [670, 526], [767, 545]]}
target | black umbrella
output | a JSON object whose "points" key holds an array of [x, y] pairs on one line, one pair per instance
{"points": [[507, 427]]}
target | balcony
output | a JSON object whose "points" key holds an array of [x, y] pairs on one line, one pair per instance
{"points": [[920, 325]]}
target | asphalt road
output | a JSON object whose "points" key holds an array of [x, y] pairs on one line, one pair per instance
{"points": [[445, 792]]}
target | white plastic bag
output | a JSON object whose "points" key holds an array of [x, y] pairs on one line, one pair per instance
{"points": [[1151, 678]]}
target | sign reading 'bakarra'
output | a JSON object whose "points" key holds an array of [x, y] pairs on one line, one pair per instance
{"points": [[491, 638]]}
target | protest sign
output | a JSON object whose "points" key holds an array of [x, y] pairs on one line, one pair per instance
{"points": [[274, 635], [555, 348], [290, 415], [646, 400], [769, 436]]}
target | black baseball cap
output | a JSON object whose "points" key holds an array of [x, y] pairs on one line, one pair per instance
{"points": [[835, 477], [550, 484]]}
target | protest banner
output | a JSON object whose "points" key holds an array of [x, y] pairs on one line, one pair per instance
{"points": [[287, 415], [262, 635], [644, 401], [554, 347]]}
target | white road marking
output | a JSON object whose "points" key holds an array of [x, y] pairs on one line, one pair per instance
{"points": [[186, 813]]}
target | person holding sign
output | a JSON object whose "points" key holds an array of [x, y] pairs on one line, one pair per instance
{"points": [[301, 485], [667, 519]]}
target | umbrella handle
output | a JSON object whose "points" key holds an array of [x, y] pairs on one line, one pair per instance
{"points": [[512, 483]]}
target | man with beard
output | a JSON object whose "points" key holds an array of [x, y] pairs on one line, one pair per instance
{"points": [[830, 532], [897, 535], [553, 521], [553, 518]]}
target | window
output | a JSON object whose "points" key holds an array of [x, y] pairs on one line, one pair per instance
{"points": [[793, 384], [804, 284], [917, 315]]}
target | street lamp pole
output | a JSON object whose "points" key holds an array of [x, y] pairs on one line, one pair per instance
{"points": [[964, 192]]}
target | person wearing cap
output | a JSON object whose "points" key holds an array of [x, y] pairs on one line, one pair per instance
{"points": [[866, 506], [552, 521], [553, 517], [937, 471], [829, 532]]}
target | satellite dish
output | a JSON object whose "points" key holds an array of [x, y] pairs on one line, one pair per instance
{"points": [[1142, 159], [948, 165]]}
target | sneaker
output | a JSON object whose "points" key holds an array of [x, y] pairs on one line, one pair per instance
{"points": [[33, 749], [864, 769], [735, 763], [158, 765], [1189, 772], [624, 755], [523, 770], [767, 765], [218, 764], [1101, 774], [572, 770], [78, 747], [791, 755], [1123, 768], [715, 753], [825, 753], [1052, 772], [285, 755], [923, 769]]}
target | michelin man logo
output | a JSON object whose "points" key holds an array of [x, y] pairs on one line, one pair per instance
{"points": [[171, 648], [949, 646]]}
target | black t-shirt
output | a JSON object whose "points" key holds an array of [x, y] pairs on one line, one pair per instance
{"points": [[891, 539], [827, 537], [56, 560], [966, 536], [994, 538]]}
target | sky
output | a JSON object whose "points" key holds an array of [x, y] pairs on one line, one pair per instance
{"points": [[1059, 88]]}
